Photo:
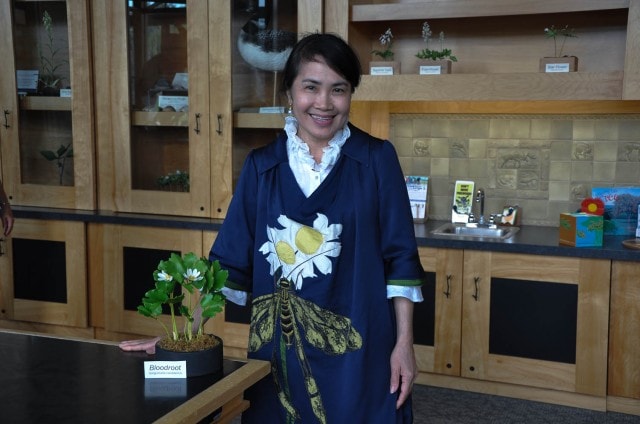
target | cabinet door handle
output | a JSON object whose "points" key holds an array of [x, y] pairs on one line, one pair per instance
{"points": [[2, 246], [6, 118], [197, 128], [476, 281], [448, 292], [219, 130]]}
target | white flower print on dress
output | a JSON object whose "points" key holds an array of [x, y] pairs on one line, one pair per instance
{"points": [[300, 249]]}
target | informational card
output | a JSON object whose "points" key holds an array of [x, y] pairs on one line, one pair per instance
{"points": [[175, 103], [165, 369], [27, 80], [418, 189]]}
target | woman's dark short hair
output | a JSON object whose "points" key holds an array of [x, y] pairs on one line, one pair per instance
{"points": [[338, 55]]}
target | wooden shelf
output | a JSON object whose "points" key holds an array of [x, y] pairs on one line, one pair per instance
{"points": [[517, 86], [45, 103], [160, 119], [254, 119], [438, 9]]}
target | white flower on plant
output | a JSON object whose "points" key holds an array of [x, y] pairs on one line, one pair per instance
{"points": [[300, 249], [192, 275], [426, 32], [163, 276], [386, 37]]}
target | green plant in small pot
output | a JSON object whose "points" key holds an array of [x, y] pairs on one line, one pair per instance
{"points": [[60, 156], [559, 62], [51, 60], [191, 288], [434, 57], [387, 65]]}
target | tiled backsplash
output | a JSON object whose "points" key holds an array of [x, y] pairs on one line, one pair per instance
{"points": [[546, 164]]}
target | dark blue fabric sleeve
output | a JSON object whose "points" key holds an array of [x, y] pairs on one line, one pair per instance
{"points": [[234, 245], [398, 240]]}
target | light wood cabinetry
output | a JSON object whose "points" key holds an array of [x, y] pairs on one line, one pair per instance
{"points": [[127, 267], [443, 299], [36, 120], [140, 142], [498, 44], [519, 319], [43, 273], [624, 344]]}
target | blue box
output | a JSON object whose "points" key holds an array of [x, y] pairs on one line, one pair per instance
{"points": [[581, 229], [620, 209]]}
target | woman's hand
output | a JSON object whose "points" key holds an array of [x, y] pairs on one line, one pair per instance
{"points": [[404, 369], [148, 345]]}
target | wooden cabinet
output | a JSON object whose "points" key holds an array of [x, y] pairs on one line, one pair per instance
{"points": [[47, 134], [201, 146], [437, 319], [624, 344], [519, 319], [498, 44], [43, 273], [127, 267], [154, 98]]}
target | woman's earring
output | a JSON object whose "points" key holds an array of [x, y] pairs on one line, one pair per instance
{"points": [[290, 109]]}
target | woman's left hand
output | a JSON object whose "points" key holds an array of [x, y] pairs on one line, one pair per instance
{"points": [[404, 370]]}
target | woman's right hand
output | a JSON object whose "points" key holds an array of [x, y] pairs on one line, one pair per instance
{"points": [[148, 345]]}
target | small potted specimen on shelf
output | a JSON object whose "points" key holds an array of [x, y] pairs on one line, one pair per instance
{"points": [[51, 60], [434, 61], [387, 66], [60, 156], [177, 181], [559, 62], [189, 286]]}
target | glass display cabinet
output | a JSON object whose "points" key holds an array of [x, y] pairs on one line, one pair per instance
{"points": [[46, 133], [196, 83]]}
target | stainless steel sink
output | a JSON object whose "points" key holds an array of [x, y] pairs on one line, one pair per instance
{"points": [[475, 231]]}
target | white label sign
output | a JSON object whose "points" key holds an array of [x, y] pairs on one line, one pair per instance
{"points": [[430, 70], [165, 369], [556, 67], [381, 70]]}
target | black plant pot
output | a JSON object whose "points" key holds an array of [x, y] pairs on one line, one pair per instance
{"points": [[202, 362]]}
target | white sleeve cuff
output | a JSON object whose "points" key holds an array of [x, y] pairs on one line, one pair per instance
{"points": [[235, 296], [414, 294]]}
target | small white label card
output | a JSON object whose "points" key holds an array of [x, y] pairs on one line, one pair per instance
{"points": [[381, 70], [557, 67], [177, 103], [430, 69], [65, 92], [165, 369], [271, 109], [27, 79]]}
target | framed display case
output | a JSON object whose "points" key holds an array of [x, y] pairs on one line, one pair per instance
{"points": [[47, 104]]}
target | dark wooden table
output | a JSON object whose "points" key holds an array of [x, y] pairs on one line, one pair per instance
{"points": [[48, 379]]}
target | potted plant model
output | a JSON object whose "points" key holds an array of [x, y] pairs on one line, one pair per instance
{"points": [[559, 62], [387, 66], [60, 156], [189, 286], [50, 60], [434, 61]]}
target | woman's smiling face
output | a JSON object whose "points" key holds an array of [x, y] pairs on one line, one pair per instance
{"points": [[321, 99]]}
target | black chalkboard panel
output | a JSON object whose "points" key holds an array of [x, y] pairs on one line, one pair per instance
{"points": [[533, 319]]}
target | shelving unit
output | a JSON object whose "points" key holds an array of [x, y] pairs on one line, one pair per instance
{"points": [[498, 44]]}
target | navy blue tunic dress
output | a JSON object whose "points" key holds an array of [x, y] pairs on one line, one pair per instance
{"points": [[317, 269]]}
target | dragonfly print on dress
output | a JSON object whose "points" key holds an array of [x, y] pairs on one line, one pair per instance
{"points": [[294, 251]]}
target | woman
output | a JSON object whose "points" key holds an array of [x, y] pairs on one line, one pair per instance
{"points": [[319, 238]]}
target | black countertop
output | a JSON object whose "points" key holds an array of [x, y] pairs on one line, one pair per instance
{"points": [[535, 240]]}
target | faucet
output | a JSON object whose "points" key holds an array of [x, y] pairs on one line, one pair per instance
{"points": [[480, 199]]}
